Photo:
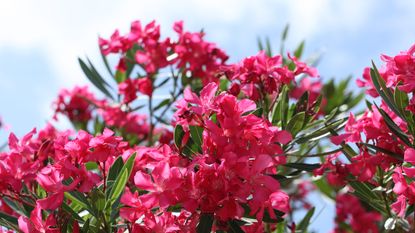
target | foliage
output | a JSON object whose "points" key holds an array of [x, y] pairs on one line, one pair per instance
{"points": [[233, 148]]}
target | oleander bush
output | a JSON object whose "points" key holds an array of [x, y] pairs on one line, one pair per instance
{"points": [[178, 139]]}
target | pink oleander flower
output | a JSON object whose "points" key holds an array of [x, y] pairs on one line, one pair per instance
{"points": [[162, 184], [51, 181], [76, 104], [36, 224], [349, 210], [260, 73], [203, 59], [399, 69]]}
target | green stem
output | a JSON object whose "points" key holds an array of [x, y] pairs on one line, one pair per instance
{"points": [[150, 109]]}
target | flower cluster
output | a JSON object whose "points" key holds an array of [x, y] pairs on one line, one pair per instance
{"points": [[260, 74], [349, 210], [232, 156]]}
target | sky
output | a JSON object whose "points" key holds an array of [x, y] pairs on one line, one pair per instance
{"points": [[41, 40]]}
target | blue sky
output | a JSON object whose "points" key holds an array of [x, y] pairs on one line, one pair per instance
{"points": [[40, 41]]}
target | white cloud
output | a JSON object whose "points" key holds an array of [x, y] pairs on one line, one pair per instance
{"points": [[64, 30], [67, 29]]}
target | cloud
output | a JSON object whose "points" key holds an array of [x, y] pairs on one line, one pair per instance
{"points": [[68, 29]]}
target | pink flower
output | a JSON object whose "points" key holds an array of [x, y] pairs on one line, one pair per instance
{"points": [[104, 146], [162, 185], [280, 201], [35, 223], [51, 181], [399, 206], [197, 56], [133, 209], [409, 155], [76, 104]]}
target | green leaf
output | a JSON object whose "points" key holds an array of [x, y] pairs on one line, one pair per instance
{"points": [[384, 151], [280, 227], [162, 104], [383, 91], [260, 46], [85, 227], [322, 132], [401, 99], [70, 211], [365, 193], [303, 166], [178, 135], [16, 206], [325, 188], [79, 199], [95, 78], [113, 172], [296, 123], [302, 103], [299, 51], [120, 181], [234, 227], [268, 48], [393, 127], [91, 166], [280, 110], [285, 32], [205, 223], [105, 60], [11, 220], [162, 83], [196, 132], [120, 76], [98, 200], [305, 222], [223, 84]]}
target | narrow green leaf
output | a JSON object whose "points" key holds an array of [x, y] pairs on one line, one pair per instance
{"points": [[205, 223], [79, 199], [303, 166], [120, 76], [383, 91], [121, 180], [305, 222], [85, 227], [325, 188], [196, 132], [296, 123], [268, 48], [113, 172], [162, 83], [401, 100], [393, 127], [302, 103], [384, 151], [178, 136], [9, 221], [234, 227], [70, 211], [162, 104], [260, 46], [280, 109], [299, 51], [96, 80], [285, 32], [105, 60]]}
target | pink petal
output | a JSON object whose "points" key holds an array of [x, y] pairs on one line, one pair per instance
{"points": [[143, 181], [409, 155]]}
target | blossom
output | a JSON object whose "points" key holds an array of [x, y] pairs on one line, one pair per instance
{"points": [[162, 185], [203, 59], [76, 104], [35, 223]]}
